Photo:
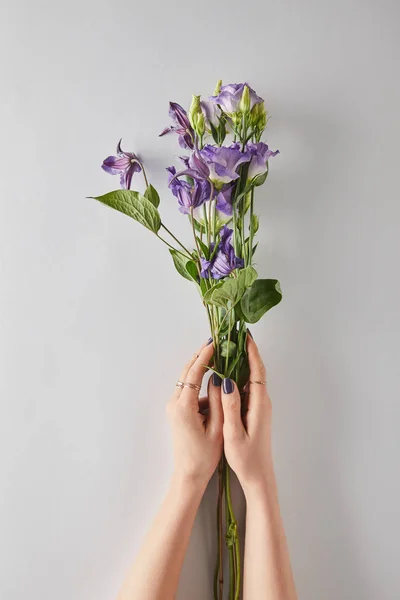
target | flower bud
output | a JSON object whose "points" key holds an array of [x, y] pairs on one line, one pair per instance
{"points": [[218, 88], [196, 116], [244, 104], [258, 116]]}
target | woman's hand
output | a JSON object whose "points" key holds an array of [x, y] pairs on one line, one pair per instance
{"points": [[197, 436], [247, 439]]}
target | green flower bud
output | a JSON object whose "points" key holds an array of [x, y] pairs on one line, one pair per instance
{"points": [[258, 116], [218, 88], [244, 104], [236, 119], [196, 116]]}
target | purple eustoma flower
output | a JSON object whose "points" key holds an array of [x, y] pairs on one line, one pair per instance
{"points": [[230, 96], [182, 126], [223, 162], [124, 165], [260, 154], [189, 196], [224, 260], [224, 199]]}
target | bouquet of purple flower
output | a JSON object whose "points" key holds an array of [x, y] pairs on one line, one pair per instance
{"points": [[215, 188]]}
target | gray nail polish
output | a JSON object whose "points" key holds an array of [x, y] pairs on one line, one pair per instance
{"points": [[227, 386], [209, 341], [216, 379], [250, 334]]}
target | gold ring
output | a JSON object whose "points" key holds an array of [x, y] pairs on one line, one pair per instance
{"points": [[192, 386], [259, 382]]}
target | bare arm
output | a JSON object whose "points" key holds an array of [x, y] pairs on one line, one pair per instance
{"points": [[267, 569], [197, 449]]}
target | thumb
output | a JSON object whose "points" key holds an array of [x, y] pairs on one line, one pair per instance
{"points": [[233, 425]]}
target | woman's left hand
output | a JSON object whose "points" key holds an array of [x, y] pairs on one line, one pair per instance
{"points": [[197, 436]]}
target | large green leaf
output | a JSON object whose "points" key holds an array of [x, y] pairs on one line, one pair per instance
{"points": [[261, 297], [152, 195], [247, 277], [228, 349], [228, 293], [135, 206], [180, 263]]}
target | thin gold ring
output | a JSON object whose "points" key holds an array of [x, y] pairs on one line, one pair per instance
{"points": [[192, 386], [259, 382]]}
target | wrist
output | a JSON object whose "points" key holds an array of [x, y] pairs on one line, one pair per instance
{"points": [[188, 484], [261, 486]]}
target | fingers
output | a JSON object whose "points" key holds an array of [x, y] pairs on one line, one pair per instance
{"points": [[258, 399], [195, 374], [233, 425], [215, 416], [257, 368], [186, 369]]}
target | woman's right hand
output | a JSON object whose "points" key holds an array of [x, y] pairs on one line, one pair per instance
{"points": [[247, 439]]}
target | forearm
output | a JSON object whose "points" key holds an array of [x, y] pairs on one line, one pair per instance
{"points": [[267, 570], [155, 573]]}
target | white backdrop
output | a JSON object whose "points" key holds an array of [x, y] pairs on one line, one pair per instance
{"points": [[95, 324]]}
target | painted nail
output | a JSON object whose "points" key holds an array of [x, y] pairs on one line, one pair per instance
{"points": [[209, 341], [216, 380], [250, 334], [227, 386]]}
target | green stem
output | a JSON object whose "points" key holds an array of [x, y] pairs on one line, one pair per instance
{"points": [[219, 567], [144, 175], [195, 240], [251, 236], [209, 215], [230, 518], [172, 247], [177, 241]]}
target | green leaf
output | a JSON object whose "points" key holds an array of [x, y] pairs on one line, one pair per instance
{"points": [[209, 293], [221, 375], [255, 223], [214, 133], [180, 263], [191, 269], [226, 293], [260, 178], [247, 277], [261, 297], [152, 195], [205, 249], [135, 206], [228, 349]]}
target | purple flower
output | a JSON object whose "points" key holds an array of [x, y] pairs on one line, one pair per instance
{"points": [[224, 260], [211, 112], [230, 96], [224, 199], [124, 165], [189, 196], [223, 162], [182, 126], [260, 154]]}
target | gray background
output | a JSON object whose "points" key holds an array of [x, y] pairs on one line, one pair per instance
{"points": [[95, 324]]}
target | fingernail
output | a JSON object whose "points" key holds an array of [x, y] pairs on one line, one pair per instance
{"points": [[250, 334], [209, 341], [227, 386], [216, 380]]}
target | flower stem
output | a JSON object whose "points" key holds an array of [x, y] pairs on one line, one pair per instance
{"points": [[172, 247], [177, 241], [251, 235], [145, 177], [219, 567]]}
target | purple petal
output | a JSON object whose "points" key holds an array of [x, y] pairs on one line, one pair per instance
{"points": [[115, 164]]}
